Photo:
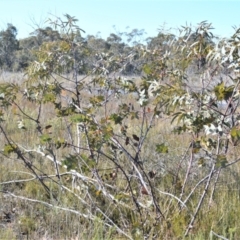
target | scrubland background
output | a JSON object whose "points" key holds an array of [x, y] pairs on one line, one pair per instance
{"points": [[119, 139]]}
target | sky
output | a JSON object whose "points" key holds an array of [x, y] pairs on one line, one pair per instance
{"points": [[100, 16]]}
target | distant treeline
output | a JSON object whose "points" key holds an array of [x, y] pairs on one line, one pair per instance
{"points": [[15, 54]]}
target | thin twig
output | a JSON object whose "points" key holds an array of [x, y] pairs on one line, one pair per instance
{"points": [[190, 225], [217, 235]]}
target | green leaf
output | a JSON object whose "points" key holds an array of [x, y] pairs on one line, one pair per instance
{"points": [[9, 148], [161, 148], [63, 112], [96, 100], [180, 116], [180, 129], [235, 133], [107, 132], [134, 115], [221, 160], [60, 143], [222, 92], [116, 118], [45, 138], [49, 97], [147, 69], [71, 162], [196, 146], [77, 118], [201, 162], [219, 89]]}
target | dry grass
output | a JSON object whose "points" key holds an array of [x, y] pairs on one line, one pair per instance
{"points": [[21, 219]]}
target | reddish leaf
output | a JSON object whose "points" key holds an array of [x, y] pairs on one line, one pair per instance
{"points": [[135, 137], [127, 141]]}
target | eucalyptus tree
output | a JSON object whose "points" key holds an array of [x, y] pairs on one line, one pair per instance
{"points": [[8, 45], [101, 135]]}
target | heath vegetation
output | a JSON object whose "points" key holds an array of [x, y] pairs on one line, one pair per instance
{"points": [[90, 151]]}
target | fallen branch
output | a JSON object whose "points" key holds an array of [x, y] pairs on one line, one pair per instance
{"points": [[87, 216]]}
